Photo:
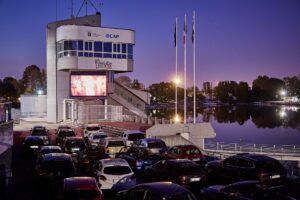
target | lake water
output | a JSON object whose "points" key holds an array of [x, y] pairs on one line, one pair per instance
{"points": [[278, 125]]}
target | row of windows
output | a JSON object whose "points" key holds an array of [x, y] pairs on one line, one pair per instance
{"points": [[94, 49]]}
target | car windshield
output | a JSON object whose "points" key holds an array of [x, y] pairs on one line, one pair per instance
{"points": [[66, 134], [156, 144], [136, 136], [74, 143], [92, 128], [115, 143], [188, 167], [34, 142], [45, 151], [181, 196], [270, 165], [117, 170], [81, 194], [96, 137], [39, 132], [57, 166]]}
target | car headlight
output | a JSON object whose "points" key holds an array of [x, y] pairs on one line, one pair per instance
{"points": [[127, 179], [139, 163]]}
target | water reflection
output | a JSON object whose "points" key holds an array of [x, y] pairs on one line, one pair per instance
{"points": [[261, 116]]}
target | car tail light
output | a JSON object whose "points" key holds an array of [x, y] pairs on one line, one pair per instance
{"points": [[103, 178]]}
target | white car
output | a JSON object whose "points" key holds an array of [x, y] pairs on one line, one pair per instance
{"points": [[131, 136], [114, 174], [96, 138], [91, 128]]}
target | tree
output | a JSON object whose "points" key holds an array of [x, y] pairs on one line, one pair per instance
{"points": [[266, 89], [1, 88], [292, 85], [225, 91], [125, 80], [31, 80], [10, 88], [242, 92], [137, 85], [162, 92]]}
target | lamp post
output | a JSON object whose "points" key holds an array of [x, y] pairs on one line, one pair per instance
{"points": [[177, 82]]}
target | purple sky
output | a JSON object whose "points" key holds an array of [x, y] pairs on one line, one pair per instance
{"points": [[236, 39]]}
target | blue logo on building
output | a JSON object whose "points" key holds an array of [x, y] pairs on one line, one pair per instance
{"points": [[111, 36]]}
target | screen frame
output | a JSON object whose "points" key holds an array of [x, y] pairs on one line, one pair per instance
{"points": [[88, 73]]}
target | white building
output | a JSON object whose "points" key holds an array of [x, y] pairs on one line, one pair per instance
{"points": [[82, 59]]}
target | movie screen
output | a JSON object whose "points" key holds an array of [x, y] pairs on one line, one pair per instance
{"points": [[88, 85]]}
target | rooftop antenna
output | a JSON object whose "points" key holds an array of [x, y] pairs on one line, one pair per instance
{"points": [[72, 9], [85, 2]]}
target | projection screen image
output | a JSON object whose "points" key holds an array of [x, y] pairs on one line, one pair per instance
{"points": [[88, 85]]}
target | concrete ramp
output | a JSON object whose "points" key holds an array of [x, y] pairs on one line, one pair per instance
{"points": [[175, 134]]}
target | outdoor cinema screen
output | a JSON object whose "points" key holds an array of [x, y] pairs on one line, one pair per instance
{"points": [[88, 85]]}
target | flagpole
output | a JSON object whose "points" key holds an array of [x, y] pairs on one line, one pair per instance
{"points": [[184, 69], [176, 63], [194, 42]]}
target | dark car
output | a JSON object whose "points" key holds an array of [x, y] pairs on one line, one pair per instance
{"points": [[154, 145], [62, 134], [246, 167], [78, 188], [74, 145], [244, 190], [139, 158], [48, 149], [42, 132], [190, 152], [181, 171], [32, 145], [52, 168], [156, 191]]}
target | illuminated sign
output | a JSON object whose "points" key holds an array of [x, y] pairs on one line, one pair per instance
{"points": [[88, 85], [111, 36], [103, 65]]}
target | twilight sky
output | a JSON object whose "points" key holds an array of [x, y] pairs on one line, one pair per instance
{"points": [[236, 39]]}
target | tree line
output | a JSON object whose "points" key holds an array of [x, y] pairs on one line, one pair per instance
{"points": [[33, 80]]}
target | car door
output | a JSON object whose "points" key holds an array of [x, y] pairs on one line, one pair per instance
{"points": [[229, 169], [245, 169], [137, 194]]}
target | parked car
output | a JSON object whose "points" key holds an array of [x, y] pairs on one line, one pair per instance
{"points": [[244, 190], [60, 127], [96, 138], [113, 145], [62, 134], [247, 167], [156, 191], [131, 136], [74, 145], [48, 149], [190, 152], [114, 174], [77, 188], [54, 167], [32, 145], [42, 132], [181, 171], [91, 128], [139, 158], [154, 145]]}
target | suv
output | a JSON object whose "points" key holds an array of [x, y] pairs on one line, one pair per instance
{"points": [[95, 139], [154, 145], [62, 134], [113, 146], [247, 167], [42, 132], [32, 145], [81, 188], [131, 136], [91, 128]]}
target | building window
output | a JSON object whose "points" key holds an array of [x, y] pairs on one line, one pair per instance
{"points": [[98, 46], [80, 45], [107, 47], [88, 46]]}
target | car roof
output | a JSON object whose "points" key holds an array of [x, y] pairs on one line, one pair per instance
{"points": [[113, 162], [38, 127], [56, 156], [33, 137], [133, 132], [74, 138], [114, 139], [152, 139], [255, 157], [186, 146], [50, 147], [92, 125], [99, 133], [164, 188], [80, 183]]}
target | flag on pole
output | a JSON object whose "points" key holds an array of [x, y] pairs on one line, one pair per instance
{"points": [[184, 31], [193, 29], [175, 39]]}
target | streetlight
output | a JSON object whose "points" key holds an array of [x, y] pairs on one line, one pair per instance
{"points": [[177, 82], [176, 119], [40, 92], [283, 92]]}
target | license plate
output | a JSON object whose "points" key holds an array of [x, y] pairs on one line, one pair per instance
{"points": [[75, 149], [195, 159], [34, 147], [195, 179], [275, 176]]}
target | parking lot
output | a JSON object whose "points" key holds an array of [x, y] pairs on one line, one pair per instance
{"points": [[27, 187]]}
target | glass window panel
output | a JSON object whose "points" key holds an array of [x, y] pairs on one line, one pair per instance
{"points": [[130, 56], [118, 47], [107, 47], [91, 46], [74, 45], [114, 56], [66, 53], [124, 56], [80, 45], [73, 53], [86, 54], [98, 55], [80, 53], [124, 48], [107, 55], [119, 56], [130, 49], [115, 47], [91, 54], [98, 46], [86, 46]]}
